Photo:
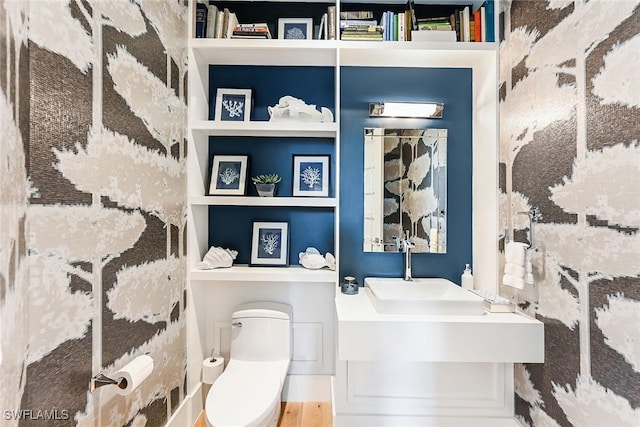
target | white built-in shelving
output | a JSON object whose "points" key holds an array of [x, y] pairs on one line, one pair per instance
{"points": [[245, 273], [203, 52]]}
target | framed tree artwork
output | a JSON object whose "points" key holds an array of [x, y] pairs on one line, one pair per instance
{"points": [[270, 244], [229, 175], [311, 175]]}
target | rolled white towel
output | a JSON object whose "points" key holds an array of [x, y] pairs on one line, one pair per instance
{"points": [[513, 281], [514, 269]]}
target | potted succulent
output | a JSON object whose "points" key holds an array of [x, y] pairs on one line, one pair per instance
{"points": [[266, 184]]}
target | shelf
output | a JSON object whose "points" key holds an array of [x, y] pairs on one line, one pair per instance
{"points": [[245, 273], [419, 54], [264, 52], [318, 202], [258, 128], [311, 52]]}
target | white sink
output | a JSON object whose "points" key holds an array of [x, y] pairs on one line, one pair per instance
{"points": [[422, 296]]}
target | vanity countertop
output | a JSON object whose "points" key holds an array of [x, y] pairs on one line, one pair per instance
{"points": [[365, 334]]}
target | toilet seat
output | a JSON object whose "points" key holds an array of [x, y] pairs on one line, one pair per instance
{"points": [[244, 395]]}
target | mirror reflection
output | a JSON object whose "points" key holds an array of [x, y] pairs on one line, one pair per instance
{"points": [[405, 188]]}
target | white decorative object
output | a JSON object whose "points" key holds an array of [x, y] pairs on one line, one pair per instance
{"points": [[290, 108], [313, 260], [218, 257]]}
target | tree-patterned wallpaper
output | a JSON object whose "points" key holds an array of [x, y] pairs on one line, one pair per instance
{"points": [[93, 109], [570, 146]]}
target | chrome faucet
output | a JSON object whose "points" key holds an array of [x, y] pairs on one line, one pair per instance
{"points": [[405, 245]]}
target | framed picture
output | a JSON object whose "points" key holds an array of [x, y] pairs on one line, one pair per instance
{"points": [[295, 28], [228, 175], [311, 176], [270, 243], [233, 105]]}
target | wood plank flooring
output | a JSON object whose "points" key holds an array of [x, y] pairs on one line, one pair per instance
{"points": [[297, 414]]}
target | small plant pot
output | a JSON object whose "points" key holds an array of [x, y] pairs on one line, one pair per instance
{"points": [[266, 190]]}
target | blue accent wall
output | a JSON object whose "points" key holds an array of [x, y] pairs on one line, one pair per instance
{"points": [[359, 87], [314, 85], [231, 226]]}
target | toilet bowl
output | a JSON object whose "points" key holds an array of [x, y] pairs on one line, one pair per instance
{"points": [[248, 393]]}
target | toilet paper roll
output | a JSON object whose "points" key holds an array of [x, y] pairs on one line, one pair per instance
{"points": [[133, 374], [211, 370]]}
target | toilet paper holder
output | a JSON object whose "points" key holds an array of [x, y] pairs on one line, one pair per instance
{"points": [[101, 379]]}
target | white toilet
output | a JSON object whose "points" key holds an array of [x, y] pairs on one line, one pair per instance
{"points": [[247, 394]]}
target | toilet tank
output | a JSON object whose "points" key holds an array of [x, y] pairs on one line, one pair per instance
{"points": [[261, 332]]}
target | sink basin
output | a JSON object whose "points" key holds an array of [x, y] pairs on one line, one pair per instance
{"points": [[422, 296]]}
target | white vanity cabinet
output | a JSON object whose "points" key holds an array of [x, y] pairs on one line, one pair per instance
{"points": [[428, 370]]}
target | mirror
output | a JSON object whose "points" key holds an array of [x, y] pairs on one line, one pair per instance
{"points": [[405, 189]]}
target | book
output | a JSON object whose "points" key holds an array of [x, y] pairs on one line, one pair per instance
{"points": [[357, 22], [490, 23], [232, 21], [483, 24], [219, 24], [222, 32], [322, 32], [400, 26], [212, 19], [457, 17], [433, 36], [251, 31], [412, 12], [201, 20], [477, 27], [464, 25], [356, 14], [331, 23]]}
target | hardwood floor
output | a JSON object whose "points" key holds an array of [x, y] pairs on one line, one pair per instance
{"points": [[297, 414]]}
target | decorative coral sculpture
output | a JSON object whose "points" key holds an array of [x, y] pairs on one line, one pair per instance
{"points": [[290, 108]]}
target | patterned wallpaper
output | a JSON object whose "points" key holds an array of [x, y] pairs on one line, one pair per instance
{"points": [[95, 179], [570, 146]]}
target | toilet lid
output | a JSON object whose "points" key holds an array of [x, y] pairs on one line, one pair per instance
{"points": [[243, 395]]}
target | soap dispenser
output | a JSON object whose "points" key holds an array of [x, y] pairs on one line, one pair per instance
{"points": [[467, 278]]}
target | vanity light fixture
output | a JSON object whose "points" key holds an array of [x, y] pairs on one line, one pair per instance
{"points": [[418, 110]]}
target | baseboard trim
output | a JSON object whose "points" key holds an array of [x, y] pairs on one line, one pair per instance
{"points": [[307, 388], [189, 410], [412, 421]]}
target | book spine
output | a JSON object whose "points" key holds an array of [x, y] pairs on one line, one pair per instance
{"points": [[458, 17], [464, 29], [201, 20], [483, 24], [490, 20], [219, 24], [331, 22], [212, 17], [477, 27]]}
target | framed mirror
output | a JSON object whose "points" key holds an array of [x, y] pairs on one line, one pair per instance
{"points": [[405, 188]]}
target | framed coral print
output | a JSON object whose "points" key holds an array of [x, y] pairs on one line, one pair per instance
{"points": [[233, 105], [311, 176], [270, 243], [228, 175], [295, 28]]}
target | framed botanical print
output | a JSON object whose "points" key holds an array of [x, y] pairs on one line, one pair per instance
{"points": [[270, 243], [229, 175], [233, 105], [311, 175]]}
